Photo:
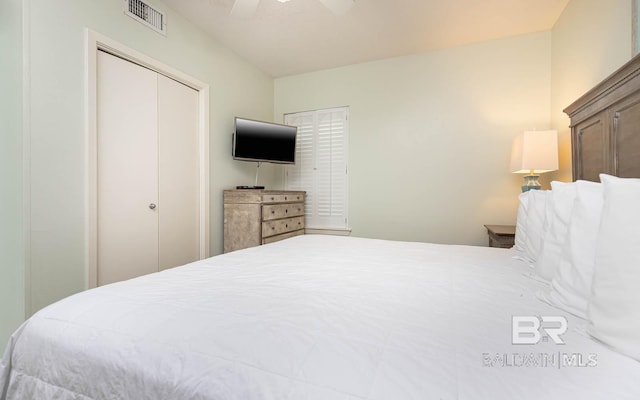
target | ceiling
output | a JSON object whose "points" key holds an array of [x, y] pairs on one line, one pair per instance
{"points": [[302, 35]]}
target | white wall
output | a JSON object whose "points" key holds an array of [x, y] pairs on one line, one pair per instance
{"points": [[11, 231], [430, 134], [591, 39], [57, 163]]}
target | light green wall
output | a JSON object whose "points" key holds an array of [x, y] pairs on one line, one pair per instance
{"points": [[591, 39], [430, 134], [58, 158], [11, 231]]}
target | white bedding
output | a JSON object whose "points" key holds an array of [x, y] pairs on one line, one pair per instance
{"points": [[312, 317]]}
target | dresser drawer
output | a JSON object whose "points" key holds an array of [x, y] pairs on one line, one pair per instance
{"points": [[283, 236], [283, 198], [279, 226], [277, 211]]}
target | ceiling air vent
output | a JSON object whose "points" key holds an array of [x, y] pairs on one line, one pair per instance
{"points": [[146, 14]]}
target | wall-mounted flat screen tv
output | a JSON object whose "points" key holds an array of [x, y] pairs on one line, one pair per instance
{"points": [[264, 141]]}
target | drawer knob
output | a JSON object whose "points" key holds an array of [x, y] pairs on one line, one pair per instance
{"points": [[285, 197], [286, 225], [286, 210], [273, 212], [272, 198], [273, 228]]}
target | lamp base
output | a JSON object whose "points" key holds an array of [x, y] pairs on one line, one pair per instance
{"points": [[530, 182]]}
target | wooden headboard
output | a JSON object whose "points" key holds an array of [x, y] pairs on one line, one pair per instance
{"points": [[605, 126]]}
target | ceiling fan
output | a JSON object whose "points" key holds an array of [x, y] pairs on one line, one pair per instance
{"points": [[246, 8]]}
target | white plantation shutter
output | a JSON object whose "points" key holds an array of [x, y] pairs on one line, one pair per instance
{"points": [[321, 165], [300, 176]]}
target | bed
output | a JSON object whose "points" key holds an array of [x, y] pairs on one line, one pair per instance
{"points": [[324, 317], [371, 319]]}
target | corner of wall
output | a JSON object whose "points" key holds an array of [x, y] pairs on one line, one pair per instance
{"points": [[12, 272]]}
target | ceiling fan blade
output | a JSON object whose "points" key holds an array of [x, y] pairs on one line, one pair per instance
{"points": [[338, 7], [244, 8]]}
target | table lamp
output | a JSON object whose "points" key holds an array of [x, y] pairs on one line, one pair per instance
{"points": [[534, 152]]}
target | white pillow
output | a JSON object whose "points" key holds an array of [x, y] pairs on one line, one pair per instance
{"points": [[557, 226], [521, 224], [614, 307], [571, 285], [536, 211]]}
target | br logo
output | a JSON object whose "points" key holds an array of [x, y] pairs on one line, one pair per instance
{"points": [[533, 329]]}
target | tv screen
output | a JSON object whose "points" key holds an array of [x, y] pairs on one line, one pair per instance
{"points": [[264, 141]]}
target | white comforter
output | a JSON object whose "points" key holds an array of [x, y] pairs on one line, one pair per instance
{"points": [[313, 317]]}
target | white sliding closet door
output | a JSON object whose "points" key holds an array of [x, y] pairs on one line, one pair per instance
{"points": [[148, 171], [127, 166], [179, 190]]}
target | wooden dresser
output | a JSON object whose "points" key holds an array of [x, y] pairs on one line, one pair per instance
{"points": [[253, 217]]}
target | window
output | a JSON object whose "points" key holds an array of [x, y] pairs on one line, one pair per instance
{"points": [[321, 165]]}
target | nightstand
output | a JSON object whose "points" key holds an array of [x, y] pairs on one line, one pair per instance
{"points": [[501, 235]]}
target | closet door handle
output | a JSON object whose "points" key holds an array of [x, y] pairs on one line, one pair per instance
{"points": [[152, 206]]}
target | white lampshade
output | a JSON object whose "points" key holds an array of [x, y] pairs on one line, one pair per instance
{"points": [[535, 152]]}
